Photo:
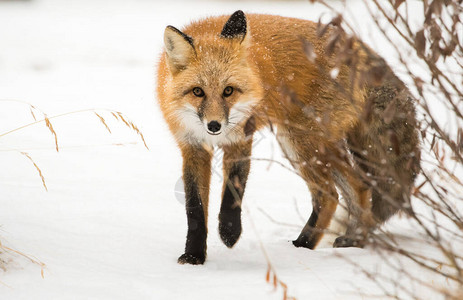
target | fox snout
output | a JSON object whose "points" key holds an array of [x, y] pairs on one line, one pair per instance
{"points": [[214, 116], [214, 127]]}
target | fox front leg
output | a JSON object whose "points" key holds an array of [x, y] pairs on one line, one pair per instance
{"points": [[196, 178], [236, 165]]}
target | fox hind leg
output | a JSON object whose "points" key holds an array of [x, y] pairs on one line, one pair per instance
{"points": [[324, 203], [311, 165], [357, 196]]}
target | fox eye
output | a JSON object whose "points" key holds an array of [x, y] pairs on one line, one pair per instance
{"points": [[198, 92], [228, 91]]}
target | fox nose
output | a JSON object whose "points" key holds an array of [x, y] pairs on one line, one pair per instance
{"points": [[213, 126]]}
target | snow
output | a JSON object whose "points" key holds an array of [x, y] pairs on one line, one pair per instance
{"points": [[110, 225]]}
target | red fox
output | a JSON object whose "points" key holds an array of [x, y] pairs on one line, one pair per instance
{"points": [[223, 78]]}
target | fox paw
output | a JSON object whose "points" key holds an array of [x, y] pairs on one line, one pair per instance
{"points": [[192, 259], [230, 230], [348, 241], [304, 243]]}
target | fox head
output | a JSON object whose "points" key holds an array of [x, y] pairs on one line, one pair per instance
{"points": [[213, 86]]}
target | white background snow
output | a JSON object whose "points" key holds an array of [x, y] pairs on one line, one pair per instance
{"points": [[110, 225]]}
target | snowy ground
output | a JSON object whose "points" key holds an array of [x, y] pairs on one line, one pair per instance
{"points": [[110, 225]]}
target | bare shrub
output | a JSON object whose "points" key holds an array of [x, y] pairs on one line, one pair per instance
{"points": [[428, 50]]}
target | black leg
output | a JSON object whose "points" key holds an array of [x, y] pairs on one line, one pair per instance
{"points": [[195, 248], [196, 178], [236, 169], [324, 204], [306, 237]]}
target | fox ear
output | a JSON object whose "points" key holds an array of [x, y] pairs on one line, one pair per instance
{"points": [[235, 27], [179, 48]]}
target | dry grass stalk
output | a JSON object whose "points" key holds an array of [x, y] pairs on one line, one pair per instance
{"points": [[47, 120], [29, 257], [130, 124], [102, 120], [37, 168], [272, 278], [52, 130]]}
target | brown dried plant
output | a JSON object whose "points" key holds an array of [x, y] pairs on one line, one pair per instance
{"points": [[119, 116], [32, 259], [47, 121]]}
